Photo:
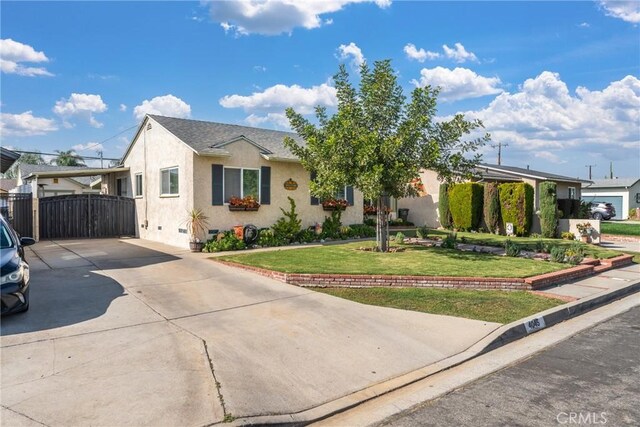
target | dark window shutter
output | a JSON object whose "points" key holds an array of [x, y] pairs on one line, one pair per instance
{"points": [[314, 200], [265, 185], [350, 195], [217, 185]]}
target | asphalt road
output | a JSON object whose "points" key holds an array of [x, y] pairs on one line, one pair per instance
{"points": [[592, 378]]}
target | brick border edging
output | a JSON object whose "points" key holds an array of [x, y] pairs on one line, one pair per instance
{"points": [[367, 280]]}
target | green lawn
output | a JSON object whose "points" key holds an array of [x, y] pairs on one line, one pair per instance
{"points": [[490, 306], [416, 260], [620, 228]]}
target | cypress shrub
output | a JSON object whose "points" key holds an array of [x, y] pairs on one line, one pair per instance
{"points": [[443, 206], [465, 203], [516, 206], [548, 209], [492, 207]]}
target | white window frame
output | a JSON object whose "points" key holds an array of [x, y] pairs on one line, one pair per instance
{"points": [[575, 193], [335, 196], [241, 195], [135, 185], [169, 174]]}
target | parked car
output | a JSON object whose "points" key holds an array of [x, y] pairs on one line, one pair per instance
{"points": [[14, 270], [602, 210]]}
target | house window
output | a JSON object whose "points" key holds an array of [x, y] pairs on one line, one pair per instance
{"points": [[121, 187], [341, 194], [240, 182], [55, 180], [138, 191], [572, 193], [169, 182]]}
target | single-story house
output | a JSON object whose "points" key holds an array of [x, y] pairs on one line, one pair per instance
{"points": [[424, 210], [175, 165], [45, 180], [623, 193]]}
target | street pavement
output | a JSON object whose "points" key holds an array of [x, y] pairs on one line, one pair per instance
{"points": [[130, 332], [592, 378]]}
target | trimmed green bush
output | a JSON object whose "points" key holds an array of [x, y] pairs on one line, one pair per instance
{"points": [[516, 206], [492, 207], [512, 249], [443, 206], [548, 209], [465, 204], [288, 226]]}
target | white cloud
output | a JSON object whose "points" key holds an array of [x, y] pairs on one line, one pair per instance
{"points": [[628, 11], [459, 53], [167, 105], [272, 17], [259, 68], [80, 105], [584, 25], [550, 157], [123, 107], [13, 53], [277, 98], [25, 124], [89, 146], [459, 83], [352, 51], [544, 115], [419, 55], [280, 120]]}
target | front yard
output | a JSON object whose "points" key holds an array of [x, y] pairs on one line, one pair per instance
{"points": [[490, 306], [620, 228], [415, 260]]}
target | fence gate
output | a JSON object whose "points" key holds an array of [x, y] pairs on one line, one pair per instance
{"points": [[17, 208], [86, 216]]}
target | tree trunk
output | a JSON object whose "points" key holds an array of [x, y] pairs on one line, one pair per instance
{"points": [[382, 234]]}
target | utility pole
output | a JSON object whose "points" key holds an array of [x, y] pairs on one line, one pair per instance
{"points": [[500, 145], [610, 170], [101, 165], [590, 166]]}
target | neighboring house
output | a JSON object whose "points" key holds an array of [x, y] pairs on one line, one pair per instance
{"points": [[33, 178], [623, 193], [7, 159], [6, 185], [175, 165], [424, 210]]}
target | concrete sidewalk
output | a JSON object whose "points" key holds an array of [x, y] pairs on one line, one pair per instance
{"points": [[128, 332]]}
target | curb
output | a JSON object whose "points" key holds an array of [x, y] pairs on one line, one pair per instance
{"points": [[498, 338]]}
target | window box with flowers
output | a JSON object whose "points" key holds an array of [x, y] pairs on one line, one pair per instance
{"points": [[334, 204], [248, 203]]}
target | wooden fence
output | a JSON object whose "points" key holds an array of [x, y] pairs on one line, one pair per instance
{"points": [[86, 216]]}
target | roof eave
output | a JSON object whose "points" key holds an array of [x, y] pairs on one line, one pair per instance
{"points": [[279, 159]]}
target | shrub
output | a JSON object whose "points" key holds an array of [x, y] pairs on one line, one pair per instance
{"points": [[331, 225], [229, 242], [306, 236], [266, 237], [443, 206], [288, 226], [492, 207], [516, 206], [465, 204], [548, 209], [422, 232], [449, 242], [511, 249], [574, 254], [345, 232], [567, 235], [400, 238], [584, 212], [362, 230], [632, 213], [557, 254], [370, 222]]}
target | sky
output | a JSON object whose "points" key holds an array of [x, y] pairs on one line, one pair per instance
{"points": [[557, 83]]}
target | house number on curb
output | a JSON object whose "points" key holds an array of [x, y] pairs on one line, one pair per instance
{"points": [[290, 185], [534, 324]]}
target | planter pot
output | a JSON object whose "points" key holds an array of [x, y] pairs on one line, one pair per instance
{"points": [[238, 230], [585, 239], [332, 208], [252, 209], [196, 246], [236, 208]]}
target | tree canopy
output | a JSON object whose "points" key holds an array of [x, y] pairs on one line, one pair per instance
{"points": [[68, 158], [378, 142], [34, 158]]}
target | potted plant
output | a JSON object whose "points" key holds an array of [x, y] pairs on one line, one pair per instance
{"points": [[334, 204], [585, 231], [236, 204], [250, 203], [197, 223]]}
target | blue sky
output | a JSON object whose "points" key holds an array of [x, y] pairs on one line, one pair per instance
{"points": [[557, 81]]}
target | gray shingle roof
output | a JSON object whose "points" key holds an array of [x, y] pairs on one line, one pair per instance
{"points": [[206, 137], [531, 173], [614, 183], [27, 169]]}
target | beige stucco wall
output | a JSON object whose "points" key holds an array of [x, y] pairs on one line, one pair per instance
{"points": [[246, 155], [424, 210]]}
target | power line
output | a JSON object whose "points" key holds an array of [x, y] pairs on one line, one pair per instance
{"points": [[111, 137], [56, 154]]}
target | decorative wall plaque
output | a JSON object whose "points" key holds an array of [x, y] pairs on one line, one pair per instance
{"points": [[290, 185]]}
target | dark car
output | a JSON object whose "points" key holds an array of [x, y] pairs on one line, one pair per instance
{"points": [[602, 210], [14, 270]]}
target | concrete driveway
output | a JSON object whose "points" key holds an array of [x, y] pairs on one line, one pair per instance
{"points": [[129, 332]]}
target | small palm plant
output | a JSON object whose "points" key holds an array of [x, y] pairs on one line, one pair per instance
{"points": [[197, 223]]}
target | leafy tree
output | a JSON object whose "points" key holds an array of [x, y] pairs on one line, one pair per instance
{"points": [[68, 158], [34, 158], [492, 207], [378, 142]]}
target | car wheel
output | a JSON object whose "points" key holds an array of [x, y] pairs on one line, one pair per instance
{"points": [[597, 215]]}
